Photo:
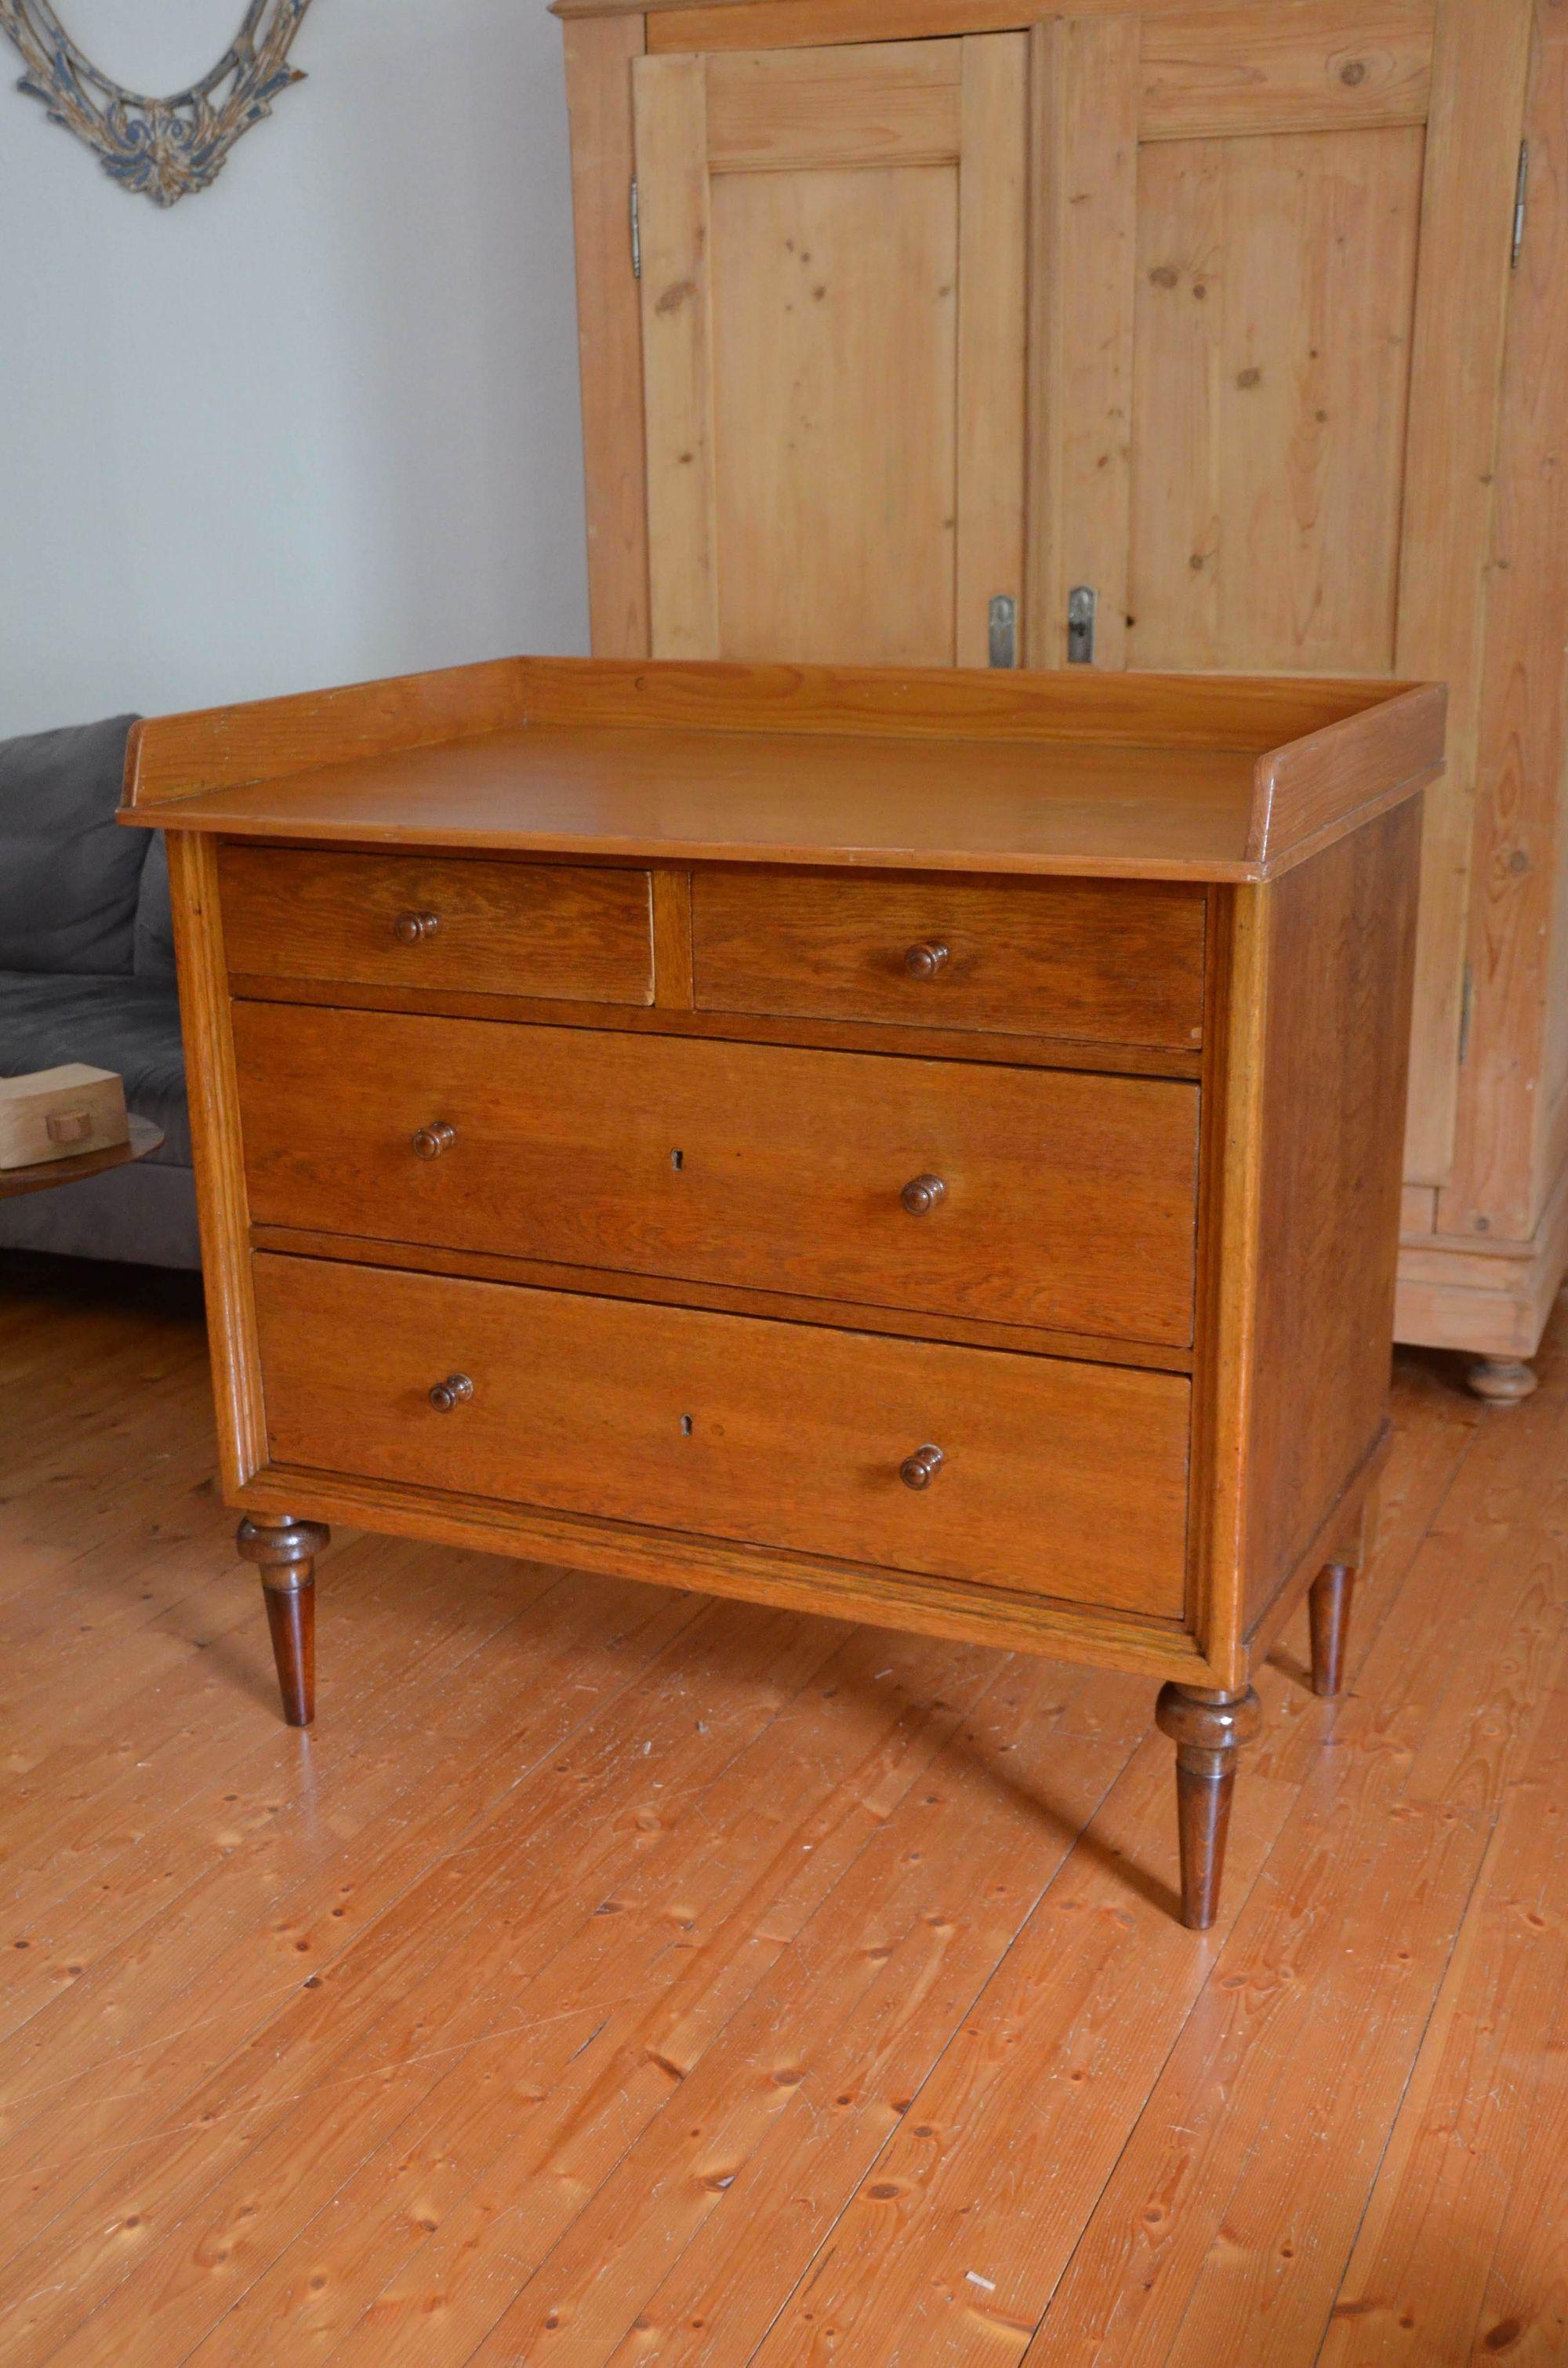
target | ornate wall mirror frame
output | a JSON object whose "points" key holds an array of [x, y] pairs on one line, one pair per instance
{"points": [[164, 148]]}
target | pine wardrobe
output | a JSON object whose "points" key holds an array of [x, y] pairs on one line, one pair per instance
{"points": [[977, 332]]}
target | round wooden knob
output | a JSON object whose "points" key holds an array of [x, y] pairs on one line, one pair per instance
{"points": [[453, 1392], [921, 1194], [925, 960], [431, 1141], [918, 1471], [413, 928]]}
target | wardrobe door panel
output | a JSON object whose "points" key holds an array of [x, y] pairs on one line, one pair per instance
{"points": [[1274, 295], [834, 386], [833, 313], [1270, 274]]}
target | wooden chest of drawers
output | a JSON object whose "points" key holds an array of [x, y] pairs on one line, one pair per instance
{"points": [[918, 1147]]}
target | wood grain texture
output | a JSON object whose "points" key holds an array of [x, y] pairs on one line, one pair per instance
{"points": [[1021, 1050], [993, 327], [500, 928], [773, 24], [789, 1307], [803, 419], [800, 110], [680, 797], [600, 54], [669, 100], [214, 747], [1472, 160], [214, 1132], [1111, 964], [1309, 786], [672, 939], [1328, 1203], [1232, 712], [581, 1405], [269, 738], [913, 1877], [961, 1610], [789, 24], [836, 398], [1495, 1304], [1327, 64], [1083, 213], [1067, 1202], [668, 796], [1510, 1146], [1274, 287]]}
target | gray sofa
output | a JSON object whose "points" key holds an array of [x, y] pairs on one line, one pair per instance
{"points": [[87, 974]]}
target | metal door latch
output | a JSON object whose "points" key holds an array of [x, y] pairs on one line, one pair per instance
{"points": [[1004, 630], [1081, 603]]}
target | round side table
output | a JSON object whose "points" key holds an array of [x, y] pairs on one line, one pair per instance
{"points": [[144, 1137]]}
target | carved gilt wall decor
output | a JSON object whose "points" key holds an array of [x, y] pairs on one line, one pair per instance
{"points": [[164, 148]]}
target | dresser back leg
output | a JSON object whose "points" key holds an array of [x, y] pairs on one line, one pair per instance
{"points": [[1328, 1605], [1208, 1730], [285, 1550]]}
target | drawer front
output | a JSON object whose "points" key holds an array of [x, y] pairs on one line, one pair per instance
{"points": [[1055, 1479], [1106, 962], [1029, 1196], [453, 923]]}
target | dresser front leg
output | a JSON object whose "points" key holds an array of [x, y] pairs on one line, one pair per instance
{"points": [[1328, 1606], [286, 1550], [1208, 1730]]}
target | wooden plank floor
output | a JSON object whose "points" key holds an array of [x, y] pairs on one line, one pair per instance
{"points": [[619, 1977]]}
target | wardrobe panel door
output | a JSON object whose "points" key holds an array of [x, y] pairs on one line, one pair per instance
{"points": [[832, 306], [1270, 270], [835, 374], [1274, 295]]}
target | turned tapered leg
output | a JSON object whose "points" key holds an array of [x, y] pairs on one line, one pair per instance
{"points": [[1328, 1604], [1208, 1730], [286, 1550]]}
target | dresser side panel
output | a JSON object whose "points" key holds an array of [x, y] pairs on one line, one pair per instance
{"points": [[1334, 1038]]}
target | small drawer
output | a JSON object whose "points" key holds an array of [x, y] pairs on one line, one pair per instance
{"points": [[562, 931], [1106, 962], [1047, 1197], [1049, 1478]]}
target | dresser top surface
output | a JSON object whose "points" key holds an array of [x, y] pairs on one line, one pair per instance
{"points": [[736, 764]]}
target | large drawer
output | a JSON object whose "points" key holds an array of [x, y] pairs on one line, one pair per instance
{"points": [[566, 932], [1109, 962], [1056, 1478], [1052, 1197]]}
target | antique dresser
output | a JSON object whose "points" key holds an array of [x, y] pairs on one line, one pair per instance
{"points": [[923, 1147]]}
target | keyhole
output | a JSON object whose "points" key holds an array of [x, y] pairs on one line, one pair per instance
{"points": [[686, 1426], [678, 1159]]}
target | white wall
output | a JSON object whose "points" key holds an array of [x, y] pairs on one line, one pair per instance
{"points": [[318, 421]]}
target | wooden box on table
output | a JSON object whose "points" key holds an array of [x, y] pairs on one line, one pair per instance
{"points": [[923, 1147]]}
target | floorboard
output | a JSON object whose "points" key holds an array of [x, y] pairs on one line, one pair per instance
{"points": [[614, 1977]]}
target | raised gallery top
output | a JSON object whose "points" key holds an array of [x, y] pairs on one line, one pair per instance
{"points": [[1154, 776]]}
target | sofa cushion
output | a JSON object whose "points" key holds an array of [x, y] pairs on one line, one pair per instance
{"points": [[131, 1025], [69, 872], [153, 952]]}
